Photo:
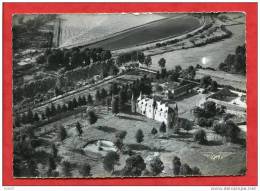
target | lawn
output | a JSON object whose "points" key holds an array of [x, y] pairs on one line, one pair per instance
{"points": [[215, 159]]}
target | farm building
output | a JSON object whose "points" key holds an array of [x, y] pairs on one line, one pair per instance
{"points": [[175, 90], [234, 102]]}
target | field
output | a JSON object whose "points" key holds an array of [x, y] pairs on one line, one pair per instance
{"points": [[214, 53], [96, 26], [212, 159], [150, 32], [137, 34]]}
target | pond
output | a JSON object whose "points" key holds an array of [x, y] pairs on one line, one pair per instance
{"points": [[100, 146]]}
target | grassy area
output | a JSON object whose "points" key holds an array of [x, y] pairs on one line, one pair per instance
{"points": [[232, 157]]}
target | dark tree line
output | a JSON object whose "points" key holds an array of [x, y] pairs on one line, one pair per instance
{"points": [[73, 58], [235, 63]]}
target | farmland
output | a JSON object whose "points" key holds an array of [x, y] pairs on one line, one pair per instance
{"points": [[154, 31]]}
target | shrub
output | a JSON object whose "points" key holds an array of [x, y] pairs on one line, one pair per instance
{"points": [[92, 117], [156, 166], [176, 163], [154, 131], [134, 166], [121, 134], [200, 136], [110, 160], [139, 136], [185, 170], [196, 171], [62, 134], [85, 170], [163, 127]]}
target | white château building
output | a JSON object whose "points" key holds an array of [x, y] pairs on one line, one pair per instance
{"points": [[156, 110]]}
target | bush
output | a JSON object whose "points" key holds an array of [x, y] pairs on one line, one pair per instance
{"points": [[85, 170], [139, 136], [204, 122], [154, 131], [200, 136], [156, 166], [176, 163], [110, 160], [62, 134], [92, 117], [185, 170], [163, 127], [134, 166], [121, 134]]}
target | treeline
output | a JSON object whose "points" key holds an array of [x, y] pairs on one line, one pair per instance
{"points": [[102, 68], [29, 90], [174, 41], [73, 58], [130, 56], [235, 63], [50, 111]]}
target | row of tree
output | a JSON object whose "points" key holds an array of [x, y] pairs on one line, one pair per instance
{"points": [[73, 58], [235, 63]]}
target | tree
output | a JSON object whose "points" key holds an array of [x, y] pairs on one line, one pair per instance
{"points": [[139, 136], [64, 108], [154, 131], [148, 61], [85, 170], [196, 171], [115, 105], [54, 150], [210, 108], [52, 165], [178, 68], [205, 81], [162, 62], [214, 86], [29, 116], [176, 163], [122, 98], [232, 131], [79, 128], [200, 136], [47, 112], [97, 96], [163, 73], [186, 125], [162, 127], [134, 166], [90, 100], [83, 100], [62, 134], [53, 110], [17, 121], [66, 169], [103, 93], [121, 134], [59, 109], [92, 117], [156, 166], [185, 170], [110, 159], [74, 103], [36, 117], [118, 143]]}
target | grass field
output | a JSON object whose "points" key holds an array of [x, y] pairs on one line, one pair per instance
{"points": [[150, 32], [232, 157]]}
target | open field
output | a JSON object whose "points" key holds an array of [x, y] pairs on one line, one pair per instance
{"points": [[236, 80], [133, 36], [96, 26], [150, 32], [232, 157], [214, 53]]}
